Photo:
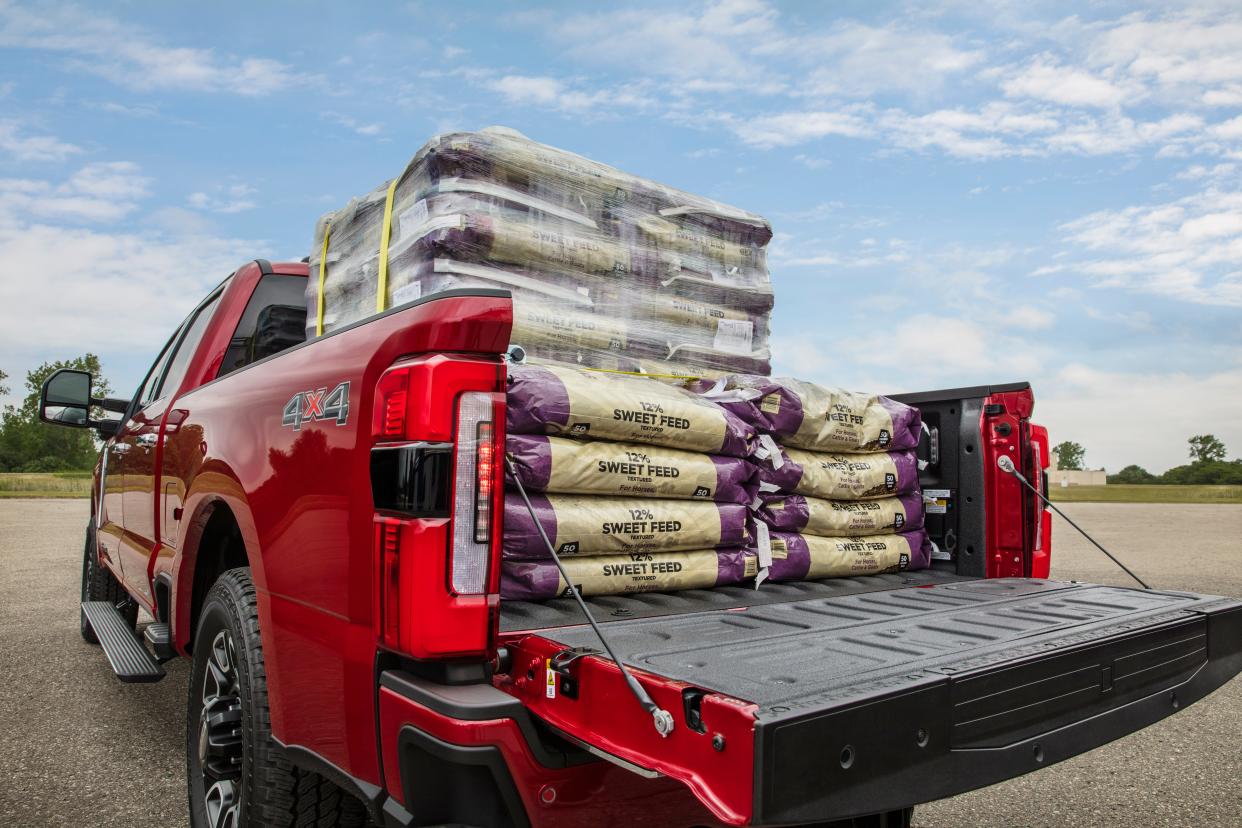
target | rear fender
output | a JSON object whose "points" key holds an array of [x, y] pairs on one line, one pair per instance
{"points": [[213, 488]]}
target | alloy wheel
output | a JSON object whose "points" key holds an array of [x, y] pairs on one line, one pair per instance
{"points": [[220, 735]]}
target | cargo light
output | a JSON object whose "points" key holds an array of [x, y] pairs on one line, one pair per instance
{"points": [[474, 476]]}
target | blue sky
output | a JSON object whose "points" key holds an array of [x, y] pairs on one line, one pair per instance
{"points": [[1048, 192]]}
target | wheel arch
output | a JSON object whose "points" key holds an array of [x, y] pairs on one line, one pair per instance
{"points": [[218, 535]]}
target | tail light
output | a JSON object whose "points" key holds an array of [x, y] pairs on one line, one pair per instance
{"points": [[388, 543], [436, 481], [472, 491]]}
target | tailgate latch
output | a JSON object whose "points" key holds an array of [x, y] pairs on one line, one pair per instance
{"points": [[567, 682]]}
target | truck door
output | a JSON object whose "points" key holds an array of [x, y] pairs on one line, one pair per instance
{"points": [[139, 445]]}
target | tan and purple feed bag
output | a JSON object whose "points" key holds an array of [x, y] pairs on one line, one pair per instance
{"points": [[816, 516], [816, 418], [585, 525], [620, 574], [603, 406], [836, 476], [800, 557], [565, 466]]}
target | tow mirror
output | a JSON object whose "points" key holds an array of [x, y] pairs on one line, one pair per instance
{"points": [[65, 400]]}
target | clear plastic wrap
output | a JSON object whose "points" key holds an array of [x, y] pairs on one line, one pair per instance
{"points": [[607, 270]]}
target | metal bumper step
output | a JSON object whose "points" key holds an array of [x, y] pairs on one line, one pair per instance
{"points": [[128, 658]]}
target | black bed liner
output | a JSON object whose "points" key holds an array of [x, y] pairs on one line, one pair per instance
{"points": [[564, 612], [984, 679]]}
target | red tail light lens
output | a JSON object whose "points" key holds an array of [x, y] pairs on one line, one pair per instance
{"points": [[388, 545], [485, 468], [391, 404]]}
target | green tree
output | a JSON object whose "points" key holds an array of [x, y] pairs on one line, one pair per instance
{"points": [[27, 445], [1133, 474], [1070, 456], [1206, 448]]}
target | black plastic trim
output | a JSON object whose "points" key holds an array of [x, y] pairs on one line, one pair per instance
{"points": [[917, 397], [265, 267], [483, 702], [372, 796], [413, 479], [489, 757]]}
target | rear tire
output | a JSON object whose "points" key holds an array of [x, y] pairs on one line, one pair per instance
{"points": [[99, 584], [238, 775]]}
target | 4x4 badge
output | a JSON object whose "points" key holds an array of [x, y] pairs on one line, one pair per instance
{"points": [[320, 404]]}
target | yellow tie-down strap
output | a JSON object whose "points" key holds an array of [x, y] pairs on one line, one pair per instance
{"points": [[381, 290], [323, 272]]}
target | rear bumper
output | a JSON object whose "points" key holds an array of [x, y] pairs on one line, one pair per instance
{"points": [[984, 724], [472, 755]]}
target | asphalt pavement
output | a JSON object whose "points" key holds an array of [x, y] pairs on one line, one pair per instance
{"points": [[81, 749]]}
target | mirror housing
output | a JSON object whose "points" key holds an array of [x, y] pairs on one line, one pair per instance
{"points": [[65, 400]]}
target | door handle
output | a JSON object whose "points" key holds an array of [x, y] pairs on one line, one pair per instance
{"points": [[147, 440], [120, 448]]}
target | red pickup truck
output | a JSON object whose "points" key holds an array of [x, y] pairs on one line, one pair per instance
{"points": [[316, 525]]}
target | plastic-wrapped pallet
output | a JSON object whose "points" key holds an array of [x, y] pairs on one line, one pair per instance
{"points": [[606, 269]]}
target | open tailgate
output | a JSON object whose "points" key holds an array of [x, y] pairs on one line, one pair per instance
{"points": [[822, 709]]}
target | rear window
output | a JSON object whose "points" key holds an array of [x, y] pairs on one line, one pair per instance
{"points": [[274, 319]]}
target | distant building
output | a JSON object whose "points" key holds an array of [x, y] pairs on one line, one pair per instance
{"points": [[1069, 477]]}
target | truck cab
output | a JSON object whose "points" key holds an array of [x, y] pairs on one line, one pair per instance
{"points": [[316, 524]]}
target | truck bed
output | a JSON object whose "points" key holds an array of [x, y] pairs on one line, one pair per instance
{"points": [[564, 612]]}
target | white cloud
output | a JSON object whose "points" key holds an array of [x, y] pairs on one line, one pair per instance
{"points": [[790, 128], [1181, 56], [127, 55], [234, 198], [1082, 403], [1186, 249], [1045, 80], [855, 60], [1030, 318], [553, 93], [365, 128], [100, 192], [33, 147], [117, 291]]}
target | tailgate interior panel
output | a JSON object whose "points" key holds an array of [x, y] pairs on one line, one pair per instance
{"points": [[987, 679]]}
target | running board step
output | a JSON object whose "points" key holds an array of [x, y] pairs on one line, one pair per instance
{"points": [[129, 659], [159, 636]]}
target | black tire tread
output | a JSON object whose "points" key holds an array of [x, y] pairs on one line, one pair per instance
{"points": [[278, 793]]}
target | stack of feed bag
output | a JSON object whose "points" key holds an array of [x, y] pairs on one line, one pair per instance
{"points": [[839, 490], [606, 270], [639, 485]]}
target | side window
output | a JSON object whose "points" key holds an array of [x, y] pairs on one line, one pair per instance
{"points": [[147, 393], [274, 319], [186, 348]]}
